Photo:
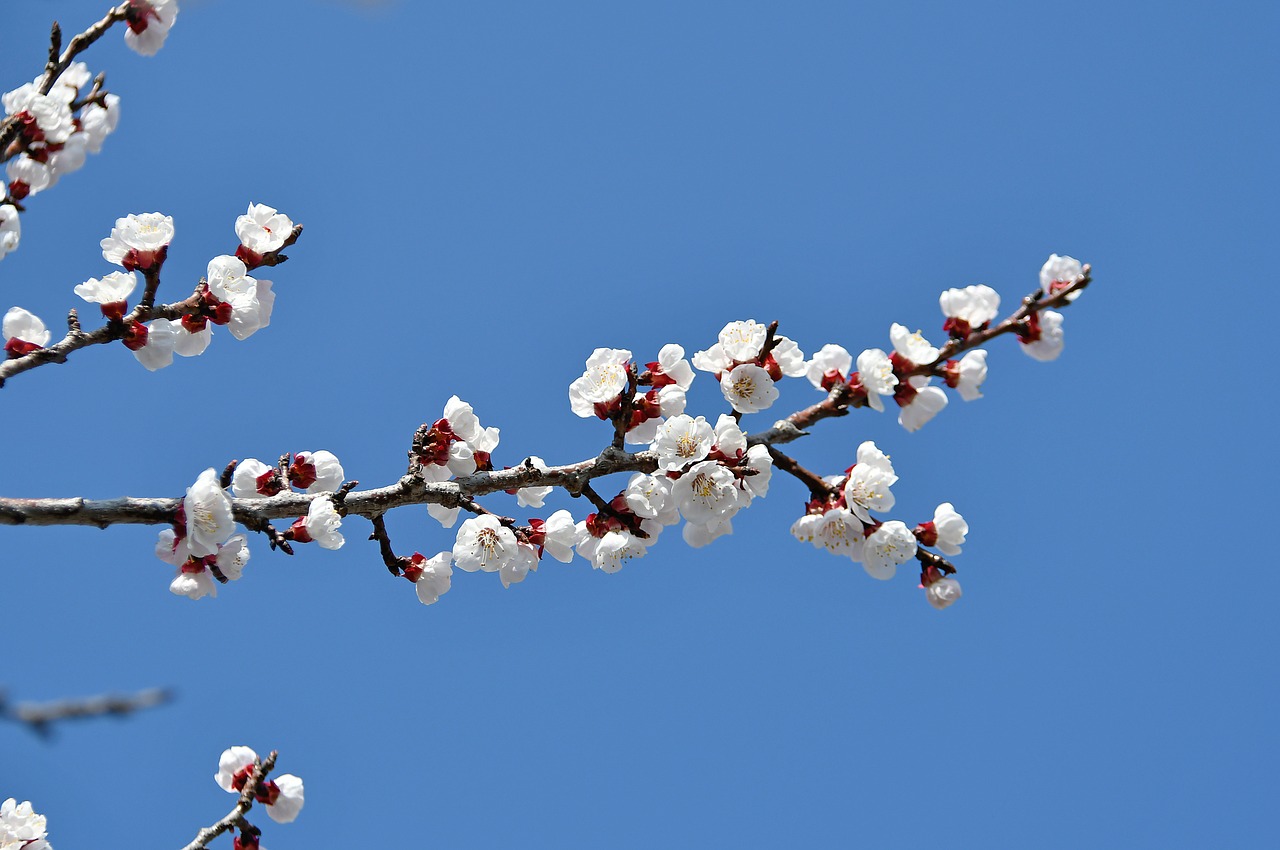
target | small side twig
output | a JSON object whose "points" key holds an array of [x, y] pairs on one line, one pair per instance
{"points": [[235, 818]]}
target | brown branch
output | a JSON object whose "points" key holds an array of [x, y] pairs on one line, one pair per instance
{"points": [[39, 717], [235, 818], [394, 562], [929, 559], [818, 488]]}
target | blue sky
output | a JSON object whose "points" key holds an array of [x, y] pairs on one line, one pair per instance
{"points": [[493, 189]]}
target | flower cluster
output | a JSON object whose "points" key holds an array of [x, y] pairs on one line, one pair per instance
{"points": [[21, 828], [610, 374], [203, 545], [455, 444], [840, 521], [283, 796], [748, 360], [56, 132]]}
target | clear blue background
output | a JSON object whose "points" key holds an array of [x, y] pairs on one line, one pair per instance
{"points": [[493, 189]]}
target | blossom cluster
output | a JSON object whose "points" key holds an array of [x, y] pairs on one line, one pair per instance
{"points": [[203, 545], [840, 521], [21, 828], [283, 796], [227, 296]]}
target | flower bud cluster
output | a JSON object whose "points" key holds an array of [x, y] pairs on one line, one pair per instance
{"points": [[283, 796], [611, 374]]}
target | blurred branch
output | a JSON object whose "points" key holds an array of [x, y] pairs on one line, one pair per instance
{"points": [[39, 717]]}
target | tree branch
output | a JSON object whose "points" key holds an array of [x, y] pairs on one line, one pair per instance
{"points": [[39, 717]]}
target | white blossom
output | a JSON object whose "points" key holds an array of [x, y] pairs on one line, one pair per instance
{"points": [[10, 229], [875, 371], [748, 388], [447, 517], [604, 379], [51, 112], [742, 341], [162, 334], [610, 552], [648, 495], [789, 357], [98, 122], [70, 158], [839, 532], [263, 229], [561, 535], [323, 466], [912, 346], [136, 240], [25, 327], [1058, 273], [759, 459], [712, 360], [232, 557], [435, 577], [869, 481], [515, 570], [974, 305], [832, 360], [706, 492], [322, 523], [950, 527], [923, 406], [188, 343], [149, 24], [484, 543], [1049, 341], [21, 828], [889, 545], [232, 761], [674, 366], [971, 371], [698, 535], [942, 592], [193, 584], [683, 440], [111, 288], [286, 806], [36, 176], [208, 512]]}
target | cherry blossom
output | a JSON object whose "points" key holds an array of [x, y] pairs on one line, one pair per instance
{"points": [[27, 177], [23, 332], [99, 121], [149, 22], [889, 545], [254, 479], [283, 796], [208, 515], [110, 292], [748, 388], [611, 551], [918, 406], [671, 369], [484, 543], [431, 577], [742, 341], [966, 375], [683, 440], [10, 229], [968, 309], [649, 496], [263, 229], [706, 492], [21, 828], [867, 488], [942, 592], [912, 348], [517, 568], [698, 535], [191, 336], [139, 241], [44, 117], [946, 530], [158, 351], [316, 472], [830, 366], [1058, 273], [1042, 336], [876, 377], [604, 379], [557, 535], [321, 524]]}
